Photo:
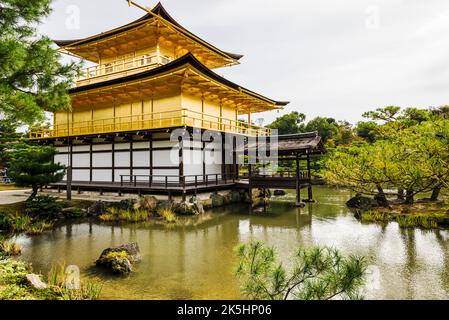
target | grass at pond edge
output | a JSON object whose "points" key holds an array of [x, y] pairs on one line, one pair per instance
{"points": [[427, 220]]}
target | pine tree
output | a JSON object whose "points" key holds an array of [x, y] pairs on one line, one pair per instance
{"points": [[32, 79]]}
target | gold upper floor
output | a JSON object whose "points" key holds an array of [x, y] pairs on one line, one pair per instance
{"points": [[151, 41]]}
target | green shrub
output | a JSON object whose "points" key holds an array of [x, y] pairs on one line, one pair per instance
{"points": [[74, 213], [46, 207]]}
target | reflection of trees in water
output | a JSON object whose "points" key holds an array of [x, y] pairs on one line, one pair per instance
{"points": [[444, 245], [410, 266]]}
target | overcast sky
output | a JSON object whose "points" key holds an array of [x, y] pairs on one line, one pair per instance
{"points": [[329, 58]]}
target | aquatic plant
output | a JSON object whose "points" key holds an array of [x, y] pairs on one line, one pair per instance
{"points": [[132, 215], [417, 220], [375, 216], [38, 227], [58, 278], [19, 222], [167, 214], [8, 248]]}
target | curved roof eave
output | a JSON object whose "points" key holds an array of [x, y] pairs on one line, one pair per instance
{"points": [[159, 10], [187, 59]]}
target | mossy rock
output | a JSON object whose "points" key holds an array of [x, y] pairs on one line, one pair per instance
{"points": [[97, 208], [165, 204], [217, 200], [149, 203], [119, 259], [236, 196]]}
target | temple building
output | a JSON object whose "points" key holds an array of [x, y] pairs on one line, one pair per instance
{"points": [[150, 77]]}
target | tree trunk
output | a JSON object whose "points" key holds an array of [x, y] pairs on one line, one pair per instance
{"points": [[401, 194], [381, 198], [33, 193], [435, 193], [409, 197]]}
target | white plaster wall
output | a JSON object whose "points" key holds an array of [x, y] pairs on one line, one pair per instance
{"points": [[141, 145], [80, 175], [122, 159], [121, 146], [101, 147], [62, 159], [165, 144], [81, 160], [166, 172], [143, 172], [80, 148], [190, 143], [62, 149], [193, 164], [120, 172], [102, 160], [164, 158], [141, 158], [102, 175]]}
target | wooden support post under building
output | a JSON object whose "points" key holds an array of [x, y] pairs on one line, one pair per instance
{"points": [[309, 176], [250, 190], [298, 185]]}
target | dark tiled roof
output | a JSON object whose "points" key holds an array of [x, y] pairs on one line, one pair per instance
{"points": [[301, 143], [184, 60], [159, 10]]}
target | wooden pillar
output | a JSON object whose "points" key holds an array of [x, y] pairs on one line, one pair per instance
{"points": [[203, 159], [90, 162], [69, 171], [151, 158], [250, 190], [309, 176], [113, 159], [131, 165], [181, 161], [223, 158], [235, 166], [298, 185]]}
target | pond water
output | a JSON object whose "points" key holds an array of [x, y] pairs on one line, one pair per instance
{"points": [[195, 260]]}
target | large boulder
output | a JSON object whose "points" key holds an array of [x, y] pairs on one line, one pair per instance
{"points": [[34, 281], [148, 203], [236, 196], [279, 192], [361, 202], [217, 200], [126, 204], [120, 259], [97, 208], [191, 208]]}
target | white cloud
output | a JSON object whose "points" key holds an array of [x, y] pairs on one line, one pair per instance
{"points": [[319, 54]]}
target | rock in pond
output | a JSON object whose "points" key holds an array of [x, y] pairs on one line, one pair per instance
{"points": [[34, 281], [279, 192], [361, 202], [120, 259]]}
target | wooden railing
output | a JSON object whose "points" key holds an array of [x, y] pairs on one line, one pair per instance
{"points": [[303, 175], [166, 119], [120, 68], [175, 181]]}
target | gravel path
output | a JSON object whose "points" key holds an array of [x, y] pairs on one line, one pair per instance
{"points": [[13, 196]]}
